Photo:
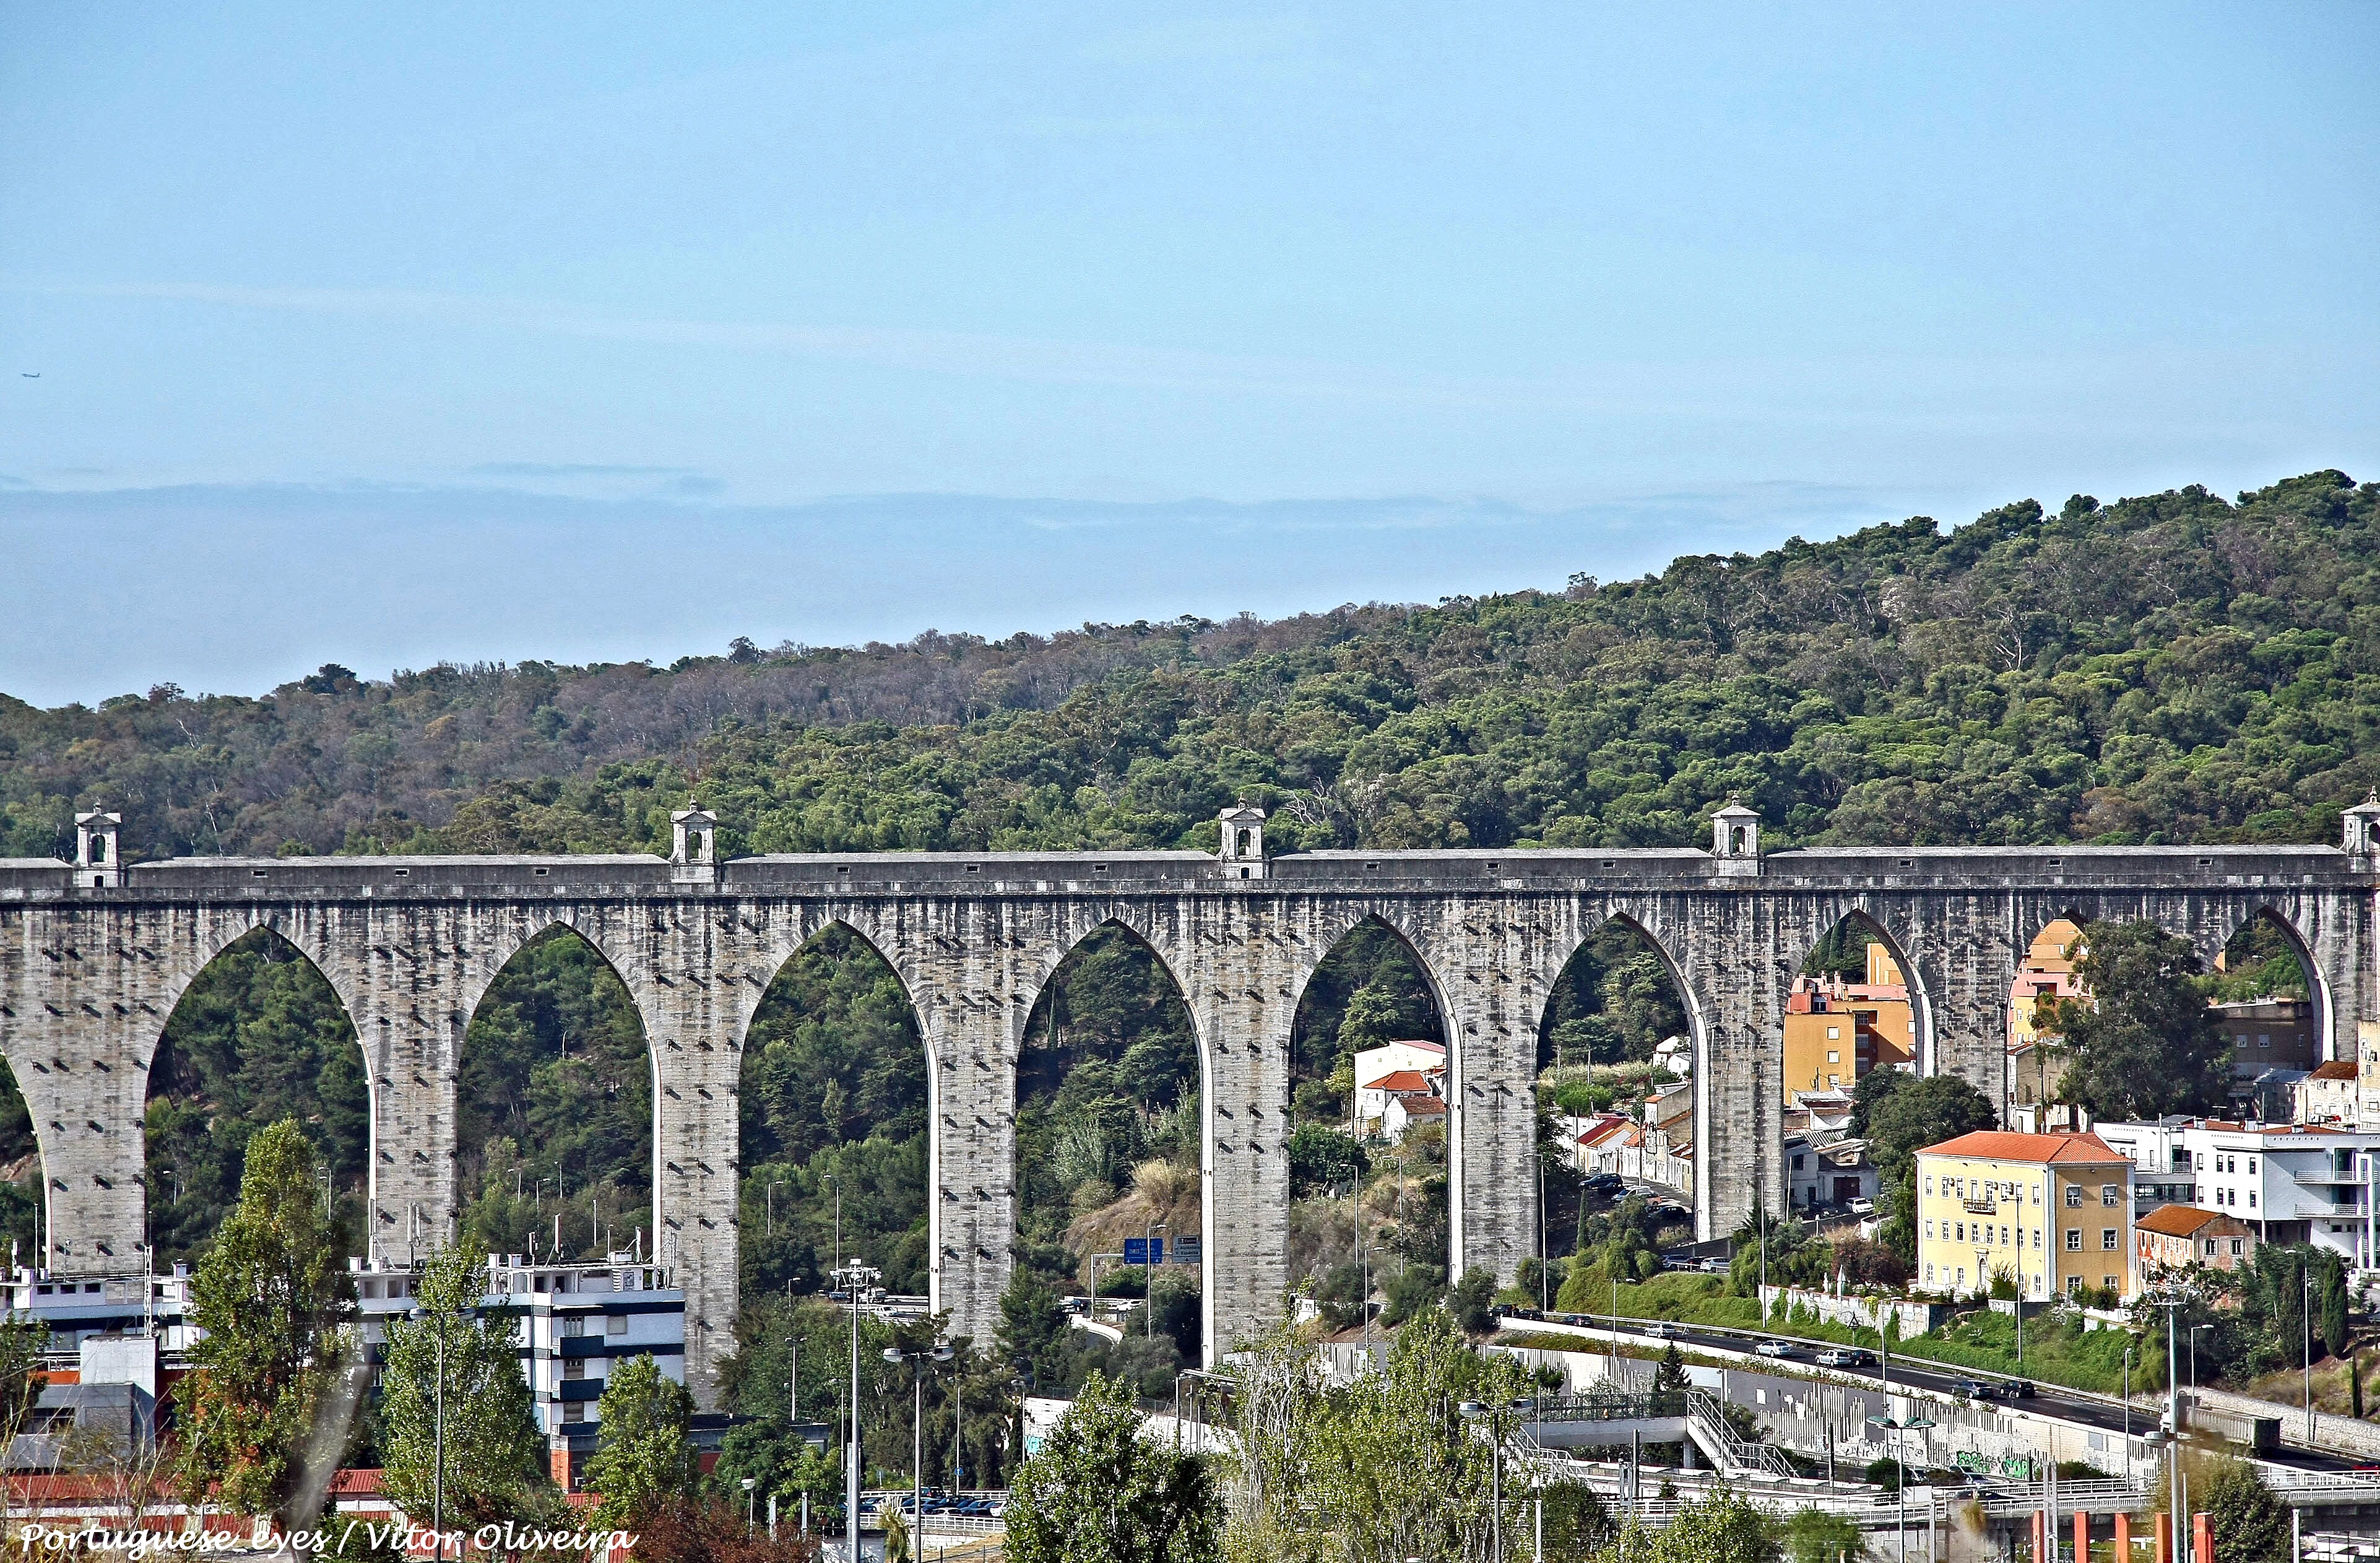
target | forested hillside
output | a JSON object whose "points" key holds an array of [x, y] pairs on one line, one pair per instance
{"points": [[2172, 668]]}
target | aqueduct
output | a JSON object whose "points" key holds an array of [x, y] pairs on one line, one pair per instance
{"points": [[93, 955]]}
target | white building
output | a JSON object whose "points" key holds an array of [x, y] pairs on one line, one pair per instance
{"points": [[2292, 1182], [578, 1321], [2330, 1095], [1403, 1075], [2160, 1157]]}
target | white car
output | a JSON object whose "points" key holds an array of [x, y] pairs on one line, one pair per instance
{"points": [[1862, 1207], [1772, 1347], [1662, 1329]]}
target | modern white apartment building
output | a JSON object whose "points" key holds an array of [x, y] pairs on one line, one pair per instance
{"points": [[578, 1321], [2292, 1182]]}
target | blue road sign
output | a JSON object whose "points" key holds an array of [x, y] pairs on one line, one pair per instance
{"points": [[1144, 1251]]}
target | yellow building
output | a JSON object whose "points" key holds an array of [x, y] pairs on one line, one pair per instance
{"points": [[1837, 1031], [2053, 1210]]}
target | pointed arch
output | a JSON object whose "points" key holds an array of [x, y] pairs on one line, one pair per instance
{"points": [[256, 1033], [2273, 1020], [1917, 1037], [1114, 1105], [556, 1084], [1577, 1031], [835, 1086], [1372, 992]]}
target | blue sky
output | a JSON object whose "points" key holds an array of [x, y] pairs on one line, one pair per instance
{"points": [[587, 332]]}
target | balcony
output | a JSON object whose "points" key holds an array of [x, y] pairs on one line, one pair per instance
{"points": [[1982, 1204]]}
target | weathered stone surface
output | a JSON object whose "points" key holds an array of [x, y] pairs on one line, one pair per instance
{"points": [[89, 972]]}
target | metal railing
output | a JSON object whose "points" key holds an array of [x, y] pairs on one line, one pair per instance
{"points": [[1741, 1453]]}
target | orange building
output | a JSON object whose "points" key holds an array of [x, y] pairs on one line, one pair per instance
{"points": [[2045, 975], [1837, 1031]]}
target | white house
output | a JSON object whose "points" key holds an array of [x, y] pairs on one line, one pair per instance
{"points": [[2329, 1094], [1403, 1112], [2292, 1182], [1394, 1072]]}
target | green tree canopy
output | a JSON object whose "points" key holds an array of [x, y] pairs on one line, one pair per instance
{"points": [[644, 1461], [1099, 1492], [2251, 1525], [1920, 1111], [269, 1297], [2144, 1043], [454, 1354]]}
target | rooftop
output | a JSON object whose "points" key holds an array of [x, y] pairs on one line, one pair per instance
{"points": [[2337, 1069], [1399, 1080], [2000, 1145], [2175, 1221]]}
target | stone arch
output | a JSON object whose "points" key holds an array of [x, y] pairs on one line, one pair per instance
{"points": [[794, 1243], [1320, 981], [1083, 927], [588, 991], [1900, 946], [2239, 918], [257, 1030], [1554, 1157]]}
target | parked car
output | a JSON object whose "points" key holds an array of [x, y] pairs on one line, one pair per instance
{"points": [[1712, 1266], [1677, 1261], [1862, 1207], [1845, 1357], [1772, 1347]]}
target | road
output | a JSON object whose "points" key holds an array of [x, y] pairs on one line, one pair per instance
{"points": [[2105, 1413]]}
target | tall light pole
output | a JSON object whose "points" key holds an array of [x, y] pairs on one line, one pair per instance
{"points": [[1901, 1465], [2305, 1319], [917, 1359], [851, 1446], [1472, 1409], [1148, 1293], [2127, 1419]]}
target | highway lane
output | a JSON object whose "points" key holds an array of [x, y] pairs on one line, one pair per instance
{"points": [[2105, 1413]]}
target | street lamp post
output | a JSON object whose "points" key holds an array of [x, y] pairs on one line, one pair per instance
{"points": [[2128, 1416], [1472, 1409], [1148, 1292], [919, 1361], [2305, 1319], [851, 1445], [1901, 1466]]}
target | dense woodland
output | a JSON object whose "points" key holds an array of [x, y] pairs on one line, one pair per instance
{"points": [[2168, 669], [2172, 668]]}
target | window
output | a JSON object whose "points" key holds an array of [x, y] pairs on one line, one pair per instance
{"points": [[2073, 1194], [1929, 1231], [1929, 1275], [2210, 1248], [2074, 1240], [2036, 1237], [2106, 1236], [2108, 1192], [1834, 1056], [2073, 1286], [2239, 1245], [2108, 1282], [1962, 1232], [616, 1324], [1797, 1163], [2251, 1167], [574, 1368], [573, 1327], [1834, 1033], [1834, 1082], [2036, 1193], [1929, 1188]]}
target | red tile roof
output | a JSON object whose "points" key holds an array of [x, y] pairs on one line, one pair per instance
{"points": [[1422, 1106], [1399, 1080], [1997, 1145], [2175, 1221], [2337, 1069]]}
